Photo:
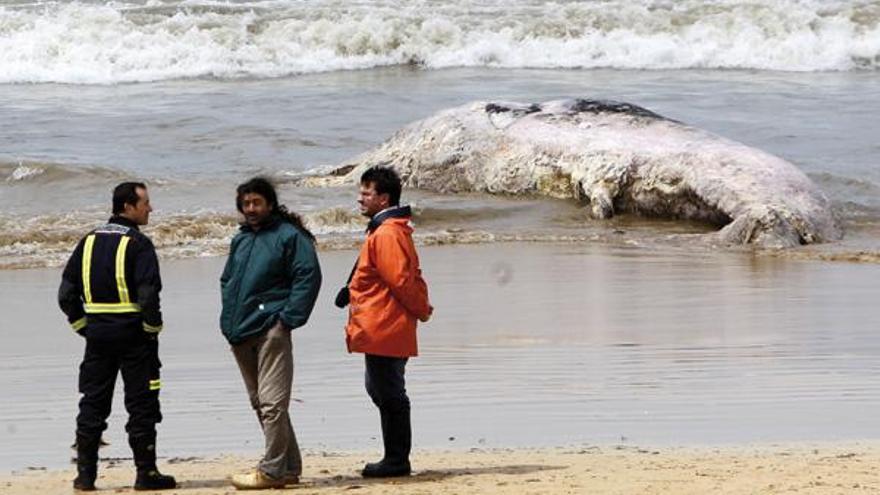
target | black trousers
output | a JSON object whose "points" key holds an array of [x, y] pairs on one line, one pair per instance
{"points": [[385, 382], [386, 386], [138, 360]]}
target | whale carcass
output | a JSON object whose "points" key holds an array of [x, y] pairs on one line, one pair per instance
{"points": [[615, 156]]}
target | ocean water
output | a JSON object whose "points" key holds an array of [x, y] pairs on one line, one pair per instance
{"points": [[100, 42], [194, 97]]}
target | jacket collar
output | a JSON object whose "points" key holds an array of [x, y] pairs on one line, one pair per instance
{"points": [[268, 224], [393, 212], [119, 220]]}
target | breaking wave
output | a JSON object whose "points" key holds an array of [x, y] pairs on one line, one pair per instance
{"points": [[29, 239], [25, 173], [116, 42], [47, 240]]}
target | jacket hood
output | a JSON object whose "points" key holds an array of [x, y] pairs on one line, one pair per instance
{"points": [[120, 220], [398, 212], [399, 223], [270, 222]]}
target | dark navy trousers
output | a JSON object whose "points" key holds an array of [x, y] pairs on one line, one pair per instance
{"points": [[387, 387], [385, 382], [137, 358]]}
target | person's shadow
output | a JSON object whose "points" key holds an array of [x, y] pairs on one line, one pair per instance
{"points": [[352, 482]]}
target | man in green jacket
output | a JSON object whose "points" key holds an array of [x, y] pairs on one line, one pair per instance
{"points": [[269, 287]]}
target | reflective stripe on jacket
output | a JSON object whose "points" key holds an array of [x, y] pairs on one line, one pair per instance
{"points": [[111, 283], [387, 293]]}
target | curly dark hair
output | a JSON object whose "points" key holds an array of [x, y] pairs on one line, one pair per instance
{"points": [[264, 187]]}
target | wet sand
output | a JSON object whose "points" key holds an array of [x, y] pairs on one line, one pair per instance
{"points": [[850, 469], [532, 345]]}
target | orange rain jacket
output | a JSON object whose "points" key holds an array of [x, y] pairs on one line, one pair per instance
{"points": [[388, 293]]}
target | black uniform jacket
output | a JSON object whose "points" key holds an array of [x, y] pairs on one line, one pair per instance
{"points": [[110, 286]]}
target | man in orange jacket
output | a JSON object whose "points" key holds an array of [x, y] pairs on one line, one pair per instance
{"points": [[387, 295]]}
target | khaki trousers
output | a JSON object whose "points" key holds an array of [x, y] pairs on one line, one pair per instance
{"points": [[266, 364]]}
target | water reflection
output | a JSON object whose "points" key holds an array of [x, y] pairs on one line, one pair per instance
{"points": [[578, 345]]}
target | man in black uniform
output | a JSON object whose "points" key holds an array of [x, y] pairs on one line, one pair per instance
{"points": [[110, 294]]}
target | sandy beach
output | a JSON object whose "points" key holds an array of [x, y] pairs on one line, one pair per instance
{"points": [[818, 469]]}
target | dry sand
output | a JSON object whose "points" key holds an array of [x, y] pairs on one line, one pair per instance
{"points": [[826, 469]]}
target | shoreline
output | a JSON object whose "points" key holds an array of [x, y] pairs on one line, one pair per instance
{"points": [[855, 251], [814, 468]]}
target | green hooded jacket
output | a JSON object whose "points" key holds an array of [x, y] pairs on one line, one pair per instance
{"points": [[271, 273]]}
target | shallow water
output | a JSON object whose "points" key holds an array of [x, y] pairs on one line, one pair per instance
{"points": [[531, 345]]}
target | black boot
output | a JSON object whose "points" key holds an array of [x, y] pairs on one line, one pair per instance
{"points": [[86, 462], [148, 476], [372, 467], [85, 478], [397, 438]]}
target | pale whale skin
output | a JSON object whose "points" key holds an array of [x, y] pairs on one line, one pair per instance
{"points": [[616, 156]]}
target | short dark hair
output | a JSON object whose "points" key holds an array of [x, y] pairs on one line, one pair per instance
{"points": [[385, 180], [126, 194], [265, 188]]}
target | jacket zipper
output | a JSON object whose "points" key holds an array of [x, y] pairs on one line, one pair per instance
{"points": [[239, 275]]}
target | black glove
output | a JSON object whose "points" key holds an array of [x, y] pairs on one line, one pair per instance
{"points": [[342, 298]]}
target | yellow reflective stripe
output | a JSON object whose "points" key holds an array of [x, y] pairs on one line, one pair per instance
{"points": [[79, 324], [155, 384], [87, 268], [112, 308], [121, 286], [152, 329]]}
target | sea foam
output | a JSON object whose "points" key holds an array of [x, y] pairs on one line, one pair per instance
{"points": [[87, 43]]}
